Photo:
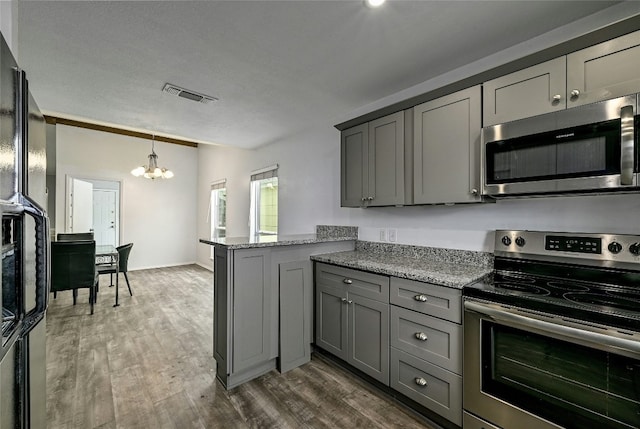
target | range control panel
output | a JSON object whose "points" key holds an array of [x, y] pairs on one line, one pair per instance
{"points": [[573, 244], [608, 249]]}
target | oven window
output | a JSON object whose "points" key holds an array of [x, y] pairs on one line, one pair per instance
{"points": [[571, 385], [591, 150]]}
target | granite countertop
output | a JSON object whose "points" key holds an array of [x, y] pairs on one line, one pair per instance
{"points": [[445, 267], [323, 234], [272, 240]]}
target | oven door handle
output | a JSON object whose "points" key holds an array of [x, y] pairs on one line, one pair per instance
{"points": [[560, 329], [627, 136]]}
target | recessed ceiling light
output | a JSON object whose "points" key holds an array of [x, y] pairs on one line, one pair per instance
{"points": [[374, 3]]}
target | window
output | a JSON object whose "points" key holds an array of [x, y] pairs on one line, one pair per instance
{"points": [[264, 202], [218, 211]]}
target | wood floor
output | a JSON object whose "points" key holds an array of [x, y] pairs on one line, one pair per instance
{"points": [[149, 364]]}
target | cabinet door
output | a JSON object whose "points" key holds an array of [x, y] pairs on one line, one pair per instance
{"points": [[604, 71], [221, 311], [295, 314], [251, 307], [386, 161], [369, 336], [353, 164], [447, 149], [331, 320], [529, 92]]}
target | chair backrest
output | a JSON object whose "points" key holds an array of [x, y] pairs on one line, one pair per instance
{"points": [[75, 236], [73, 264], [123, 256]]}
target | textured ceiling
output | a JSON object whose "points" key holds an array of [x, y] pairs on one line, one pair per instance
{"points": [[277, 67]]}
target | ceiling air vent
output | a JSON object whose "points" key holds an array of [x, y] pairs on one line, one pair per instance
{"points": [[189, 95]]}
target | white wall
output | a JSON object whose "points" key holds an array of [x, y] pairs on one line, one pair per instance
{"points": [[157, 216], [309, 186], [9, 24]]}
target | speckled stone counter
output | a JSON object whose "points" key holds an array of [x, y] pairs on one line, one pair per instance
{"points": [[324, 234], [446, 267]]}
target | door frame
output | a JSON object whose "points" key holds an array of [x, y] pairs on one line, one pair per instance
{"points": [[119, 199]]}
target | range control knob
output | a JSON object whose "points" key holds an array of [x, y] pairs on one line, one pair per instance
{"points": [[506, 240], [635, 249], [520, 241], [615, 247]]}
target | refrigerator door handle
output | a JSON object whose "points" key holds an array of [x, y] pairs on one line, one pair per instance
{"points": [[43, 274]]}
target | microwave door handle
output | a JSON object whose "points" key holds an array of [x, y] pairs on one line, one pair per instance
{"points": [[627, 135]]}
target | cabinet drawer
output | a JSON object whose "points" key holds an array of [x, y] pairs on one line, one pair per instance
{"points": [[438, 301], [365, 284], [434, 340], [431, 386]]}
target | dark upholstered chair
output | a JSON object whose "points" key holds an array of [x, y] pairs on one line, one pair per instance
{"points": [[123, 264], [75, 236], [73, 266]]}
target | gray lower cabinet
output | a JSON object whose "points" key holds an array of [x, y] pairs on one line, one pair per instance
{"points": [[446, 149], [352, 318], [431, 386], [296, 313], [426, 345], [263, 308]]}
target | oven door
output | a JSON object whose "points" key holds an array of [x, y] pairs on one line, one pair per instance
{"points": [[585, 149], [524, 369]]}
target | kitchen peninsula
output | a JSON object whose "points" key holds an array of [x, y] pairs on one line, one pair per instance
{"points": [[263, 300]]}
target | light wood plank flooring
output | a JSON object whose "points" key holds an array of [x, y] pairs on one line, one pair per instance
{"points": [[149, 364]]}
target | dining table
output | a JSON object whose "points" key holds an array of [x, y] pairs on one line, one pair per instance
{"points": [[107, 255]]}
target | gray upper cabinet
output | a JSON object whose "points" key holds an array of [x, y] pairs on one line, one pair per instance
{"points": [[354, 148], [529, 92], [372, 163], [604, 71], [599, 72], [446, 148]]}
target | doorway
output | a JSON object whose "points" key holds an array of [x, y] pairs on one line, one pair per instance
{"points": [[93, 205]]}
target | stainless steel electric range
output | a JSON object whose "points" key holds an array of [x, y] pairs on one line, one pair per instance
{"points": [[552, 336]]}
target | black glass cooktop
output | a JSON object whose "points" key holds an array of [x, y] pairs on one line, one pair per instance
{"points": [[607, 297]]}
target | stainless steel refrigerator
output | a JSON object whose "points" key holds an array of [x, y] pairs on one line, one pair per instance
{"points": [[25, 251]]}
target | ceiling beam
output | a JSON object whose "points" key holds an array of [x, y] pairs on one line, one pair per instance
{"points": [[147, 136]]}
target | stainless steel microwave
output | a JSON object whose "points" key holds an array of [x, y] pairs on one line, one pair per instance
{"points": [[587, 149]]}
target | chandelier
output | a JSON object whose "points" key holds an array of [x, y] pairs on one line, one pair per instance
{"points": [[152, 171]]}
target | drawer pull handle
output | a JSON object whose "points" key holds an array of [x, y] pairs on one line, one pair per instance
{"points": [[347, 281], [421, 336], [421, 298], [421, 381]]}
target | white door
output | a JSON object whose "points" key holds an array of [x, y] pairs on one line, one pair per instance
{"points": [[81, 206], [104, 216]]}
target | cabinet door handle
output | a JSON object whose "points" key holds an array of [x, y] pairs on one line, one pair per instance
{"points": [[627, 134], [347, 281], [575, 94], [420, 298], [421, 381], [474, 191], [363, 199], [343, 299], [370, 198], [556, 98], [349, 302], [421, 336]]}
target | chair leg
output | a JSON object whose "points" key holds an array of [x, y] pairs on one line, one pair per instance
{"points": [[128, 285], [92, 296], [75, 296], [111, 278], [55, 295]]}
